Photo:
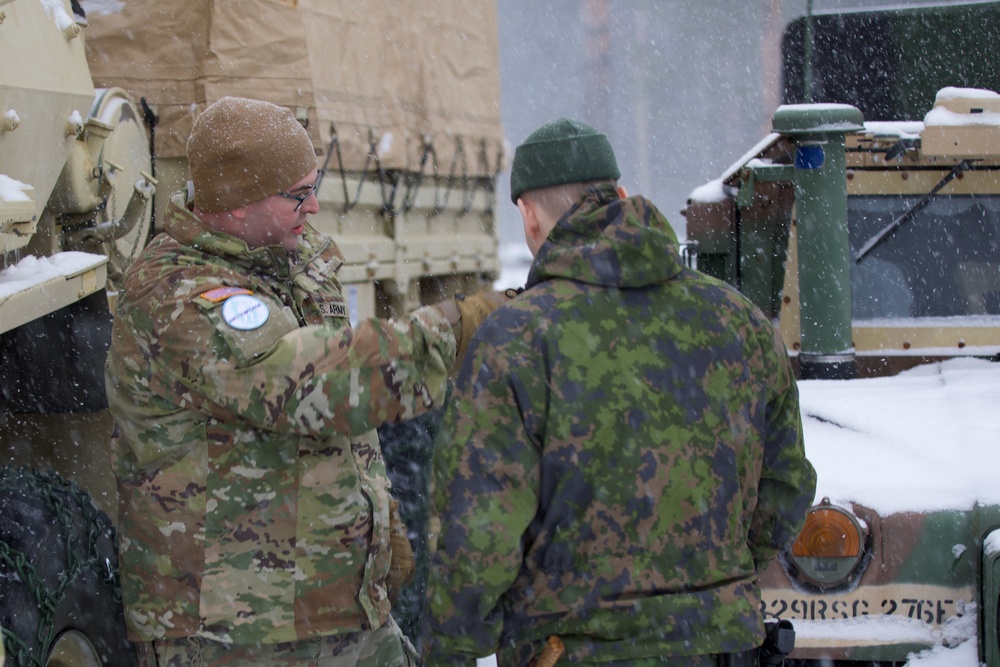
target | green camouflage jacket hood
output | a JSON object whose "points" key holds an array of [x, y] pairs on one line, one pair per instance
{"points": [[254, 503], [606, 240], [622, 453]]}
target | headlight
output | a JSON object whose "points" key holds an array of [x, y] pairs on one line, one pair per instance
{"points": [[830, 546]]}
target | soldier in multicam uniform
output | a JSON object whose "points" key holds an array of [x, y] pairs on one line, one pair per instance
{"points": [[623, 452], [255, 514]]}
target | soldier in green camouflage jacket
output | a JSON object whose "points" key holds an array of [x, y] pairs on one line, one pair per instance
{"points": [[255, 507], [623, 452]]}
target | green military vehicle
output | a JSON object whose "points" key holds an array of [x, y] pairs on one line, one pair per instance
{"points": [[96, 102], [874, 245]]}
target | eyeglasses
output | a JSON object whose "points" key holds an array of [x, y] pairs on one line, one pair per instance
{"points": [[302, 197]]}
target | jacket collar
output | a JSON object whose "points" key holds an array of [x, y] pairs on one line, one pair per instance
{"points": [[610, 241]]}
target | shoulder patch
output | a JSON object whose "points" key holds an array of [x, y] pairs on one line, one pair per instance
{"points": [[244, 312], [223, 293], [332, 307]]}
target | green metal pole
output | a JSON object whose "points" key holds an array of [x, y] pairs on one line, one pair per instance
{"points": [[824, 257], [807, 60]]}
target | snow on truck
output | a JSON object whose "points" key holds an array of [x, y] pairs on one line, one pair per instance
{"points": [[96, 102], [874, 244]]}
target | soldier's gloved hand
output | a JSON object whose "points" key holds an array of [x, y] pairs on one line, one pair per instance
{"points": [[474, 310], [402, 567]]}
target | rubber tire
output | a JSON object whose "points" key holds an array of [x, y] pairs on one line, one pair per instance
{"points": [[82, 544]]}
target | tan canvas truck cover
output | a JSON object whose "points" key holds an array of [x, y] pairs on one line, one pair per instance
{"points": [[401, 73], [403, 98]]}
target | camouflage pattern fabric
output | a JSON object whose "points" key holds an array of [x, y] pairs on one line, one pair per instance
{"points": [[254, 497], [622, 455], [384, 647]]}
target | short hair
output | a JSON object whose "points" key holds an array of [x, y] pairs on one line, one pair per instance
{"points": [[556, 200]]}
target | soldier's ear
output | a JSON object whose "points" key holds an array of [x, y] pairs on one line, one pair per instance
{"points": [[529, 217]]}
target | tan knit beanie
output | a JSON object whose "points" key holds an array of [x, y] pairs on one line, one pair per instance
{"points": [[242, 151]]}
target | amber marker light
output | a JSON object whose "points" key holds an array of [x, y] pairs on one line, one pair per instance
{"points": [[829, 546]]}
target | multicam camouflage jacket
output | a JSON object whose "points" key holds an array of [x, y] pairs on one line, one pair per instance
{"points": [[622, 453], [254, 499]]}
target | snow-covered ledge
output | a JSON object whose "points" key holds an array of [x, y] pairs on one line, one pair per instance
{"points": [[37, 286]]}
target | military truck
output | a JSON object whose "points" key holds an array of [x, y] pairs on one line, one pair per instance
{"points": [[874, 245], [97, 99]]}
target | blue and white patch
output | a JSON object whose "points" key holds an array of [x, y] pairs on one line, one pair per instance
{"points": [[244, 312]]}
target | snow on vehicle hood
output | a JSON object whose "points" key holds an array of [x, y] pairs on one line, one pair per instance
{"points": [[927, 439]]}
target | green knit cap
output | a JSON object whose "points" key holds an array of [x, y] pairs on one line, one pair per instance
{"points": [[559, 152]]}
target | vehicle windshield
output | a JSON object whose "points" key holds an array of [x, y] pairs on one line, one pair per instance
{"points": [[945, 262]]}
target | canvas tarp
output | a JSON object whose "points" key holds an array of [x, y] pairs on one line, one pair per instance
{"points": [[399, 76]]}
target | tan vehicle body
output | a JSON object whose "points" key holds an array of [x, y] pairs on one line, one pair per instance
{"points": [[402, 105]]}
